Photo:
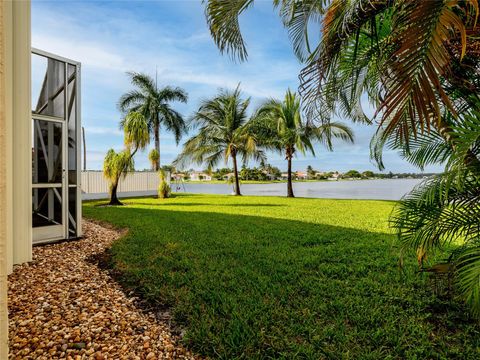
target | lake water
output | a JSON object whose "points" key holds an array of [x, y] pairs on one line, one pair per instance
{"points": [[391, 189]]}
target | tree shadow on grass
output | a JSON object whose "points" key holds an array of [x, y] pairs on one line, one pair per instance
{"points": [[260, 287], [175, 204]]}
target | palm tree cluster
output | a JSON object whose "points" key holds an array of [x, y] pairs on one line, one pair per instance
{"points": [[227, 132], [418, 64]]}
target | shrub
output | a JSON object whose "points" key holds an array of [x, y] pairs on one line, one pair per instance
{"points": [[164, 190]]}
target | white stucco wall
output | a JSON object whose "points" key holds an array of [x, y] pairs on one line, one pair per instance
{"points": [[15, 147]]}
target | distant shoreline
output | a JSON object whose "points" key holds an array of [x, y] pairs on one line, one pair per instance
{"points": [[245, 182]]}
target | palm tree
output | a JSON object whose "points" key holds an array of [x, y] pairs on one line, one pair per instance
{"points": [[223, 133], [153, 103], [117, 165], [281, 127], [154, 157]]}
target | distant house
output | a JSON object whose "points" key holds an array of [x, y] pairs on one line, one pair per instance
{"points": [[199, 176], [335, 176], [301, 175], [297, 175], [178, 176], [321, 175]]}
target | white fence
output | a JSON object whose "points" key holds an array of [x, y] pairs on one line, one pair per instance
{"points": [[93, 182]]}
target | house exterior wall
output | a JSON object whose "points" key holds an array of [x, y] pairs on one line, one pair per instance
{"points": [[194, 177], [15, 148], [200, 177], [3, 195], [19, 134]]}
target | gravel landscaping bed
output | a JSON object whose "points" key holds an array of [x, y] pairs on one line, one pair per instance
{"points": [[61, 305]]}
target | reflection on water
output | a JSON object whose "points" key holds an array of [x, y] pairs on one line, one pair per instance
{"points": [[391, 189]]}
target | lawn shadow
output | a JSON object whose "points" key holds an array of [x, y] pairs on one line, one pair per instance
{"points": [[201, 204]]}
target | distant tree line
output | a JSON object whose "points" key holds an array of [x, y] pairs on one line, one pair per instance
{"points": [[354, 174], [265, 172]]}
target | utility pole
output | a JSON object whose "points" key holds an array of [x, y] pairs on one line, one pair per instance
{"points": [[84, 150], [156, 90]]}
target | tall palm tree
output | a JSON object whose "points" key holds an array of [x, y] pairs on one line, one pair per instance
{"points": [[223, 133], [153, 103], [280, 127], [117, 165]]}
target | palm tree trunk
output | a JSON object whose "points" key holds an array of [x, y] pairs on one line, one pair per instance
{"points": [[156, 165], [289, 176], [235, 171], [113, 195]]}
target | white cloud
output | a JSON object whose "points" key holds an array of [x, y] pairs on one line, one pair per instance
{"points": [[95, 47], [89, 53]]}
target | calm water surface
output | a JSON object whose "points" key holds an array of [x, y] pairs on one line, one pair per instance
{"points": [[391, 189]]}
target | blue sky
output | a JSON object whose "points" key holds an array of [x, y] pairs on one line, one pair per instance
{"points": [[111, 38]]}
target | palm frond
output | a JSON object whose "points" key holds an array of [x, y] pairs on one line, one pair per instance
{"points": [[223, 21], [173, 121], [144, 82], [421, 151], [468, 277], [341, 21], [414, 96], [438, 212], [298, 17], [136, 132], [131, 101], [169, 93], [333, 130]]}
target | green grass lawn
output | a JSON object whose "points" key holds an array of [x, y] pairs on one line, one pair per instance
{"points": [[268, 277]]}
